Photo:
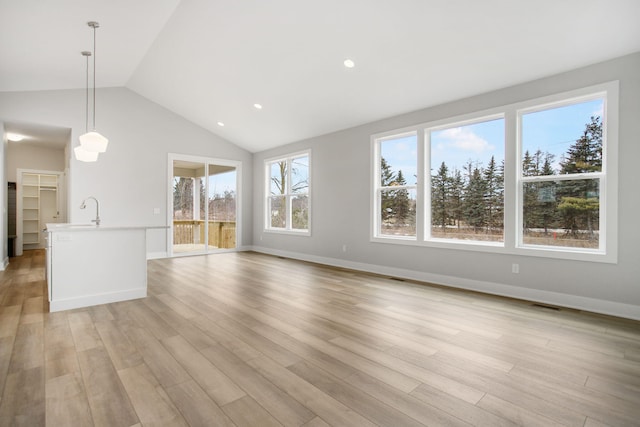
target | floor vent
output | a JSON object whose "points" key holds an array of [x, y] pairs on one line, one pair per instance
{"points": [[546, 307]]}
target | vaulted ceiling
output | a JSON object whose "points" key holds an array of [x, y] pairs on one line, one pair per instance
{"points": [[210, 61]]}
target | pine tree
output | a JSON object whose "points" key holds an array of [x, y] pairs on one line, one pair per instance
{"points": [[440, 197], [456, 199], [547, 196], [494, 186], [386, 179], [584, 156], [474, 208], [402, 205]]}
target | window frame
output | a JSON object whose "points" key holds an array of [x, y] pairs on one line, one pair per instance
{"points": [[513, 182], [289, 195], [443, 125], [378, 188]]}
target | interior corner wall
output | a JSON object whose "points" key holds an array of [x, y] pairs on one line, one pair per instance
{"points": [[131, 178], [340, 209], [4, 248]]}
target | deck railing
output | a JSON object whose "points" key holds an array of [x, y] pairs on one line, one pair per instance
{"points": [[222, 234]]}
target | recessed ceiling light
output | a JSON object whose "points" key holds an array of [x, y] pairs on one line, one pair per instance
{"points": [[258, 106], [14, 137], [220, 124], [349, 63]]}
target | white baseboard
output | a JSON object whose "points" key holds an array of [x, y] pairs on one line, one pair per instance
{"points": [[611, 308], [157, 255], [5, 264], [89, 300]]}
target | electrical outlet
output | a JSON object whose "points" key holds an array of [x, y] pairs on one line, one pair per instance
{"points": [[515, 268], [344, 248]]}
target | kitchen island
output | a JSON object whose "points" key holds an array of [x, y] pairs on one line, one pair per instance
{"points": [[90, 265]]}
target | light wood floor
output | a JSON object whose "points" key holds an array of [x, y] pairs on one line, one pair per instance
{"points": [[252, 340]]}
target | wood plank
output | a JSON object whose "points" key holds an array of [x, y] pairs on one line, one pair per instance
{"points": [[23, 398], [83, 330], [151, 403], [517, 414], [361, 402], [246, 412], [403, 402], [122, 352], [165, 368], [325, 406], [279, 404], [108, 399], [66, 401], [217, 385], [196, 406]]}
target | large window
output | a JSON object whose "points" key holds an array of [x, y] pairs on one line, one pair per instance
{"points": [[467, 181], [560, 174], [287, 204], [397, 186], [537, 177]]}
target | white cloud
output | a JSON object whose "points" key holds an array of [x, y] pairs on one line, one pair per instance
{"points": [[463, 139]]}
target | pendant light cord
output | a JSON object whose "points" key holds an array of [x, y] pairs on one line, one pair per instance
{"points": [[95, 25], [86, 54]]}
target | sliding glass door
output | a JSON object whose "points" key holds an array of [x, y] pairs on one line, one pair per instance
{"points": [[205, 210]]}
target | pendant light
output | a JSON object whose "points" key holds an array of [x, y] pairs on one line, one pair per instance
{"points": [[93, 141], [80, 152]]}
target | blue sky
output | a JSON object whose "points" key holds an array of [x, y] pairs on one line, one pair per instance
{"points": [[553, 131], [456, 146], [401, 154], [222, 182], [556, 130]]}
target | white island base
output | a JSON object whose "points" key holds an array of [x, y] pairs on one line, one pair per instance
{"points": [[90, 265]]}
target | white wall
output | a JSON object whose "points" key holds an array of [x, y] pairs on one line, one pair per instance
{"points": [[130, 179], [4, 254], [30, 157], [341, 183]]}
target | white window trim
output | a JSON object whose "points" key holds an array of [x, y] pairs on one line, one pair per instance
{"points": [[267, 199], [608, 251], [207, 161], [377, 192]]}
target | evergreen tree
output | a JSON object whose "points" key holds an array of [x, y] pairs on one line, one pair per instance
{"points": [[493, 185], [456, 197], [401, 202], [386, 179], [584, 156], [547, 196], [440, 197], [474, 208]]}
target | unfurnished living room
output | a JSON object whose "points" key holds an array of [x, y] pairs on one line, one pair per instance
{"points": [[306, 213]]}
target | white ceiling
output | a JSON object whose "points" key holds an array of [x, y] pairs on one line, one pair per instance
{"points": [[211, 60]]}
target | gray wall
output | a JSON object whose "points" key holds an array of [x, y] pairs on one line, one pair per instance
{"points": [[31, 157], [130, 179], [341, 184]]}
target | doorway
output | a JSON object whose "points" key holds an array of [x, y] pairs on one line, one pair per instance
{"points": [[205, 205], [37, 204]]}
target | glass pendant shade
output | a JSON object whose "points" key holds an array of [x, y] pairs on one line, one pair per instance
{"points": [[84, 155], [94, 142]]}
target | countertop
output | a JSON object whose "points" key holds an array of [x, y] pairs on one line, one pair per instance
{"points": [[65, 227]]}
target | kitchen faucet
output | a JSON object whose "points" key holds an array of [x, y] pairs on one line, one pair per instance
{"points": [[84, 205]]}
